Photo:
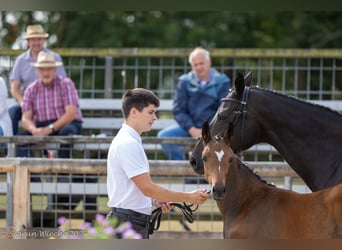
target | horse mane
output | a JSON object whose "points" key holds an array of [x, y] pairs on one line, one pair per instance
{"points": [[255, 173], [297, 99]]}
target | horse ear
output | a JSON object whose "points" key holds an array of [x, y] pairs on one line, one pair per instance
{"points": [[248, 78], [228, 133], [206, 132], [239, 84]]}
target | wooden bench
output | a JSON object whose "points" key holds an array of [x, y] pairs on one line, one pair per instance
{"points": [[113, 106], [103, 118], [105, 115]]}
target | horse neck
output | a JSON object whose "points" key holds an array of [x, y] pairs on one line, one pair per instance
{"points": [[284, 119], [294, 127], [242, 187]]}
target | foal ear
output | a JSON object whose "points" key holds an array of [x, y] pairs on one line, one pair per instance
{"points": [[248, 78], [228, 133], [239, 84], [206, 132]]}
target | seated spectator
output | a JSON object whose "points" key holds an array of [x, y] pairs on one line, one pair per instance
{"points": [[51, 107], [197, 98], [23, 74]]}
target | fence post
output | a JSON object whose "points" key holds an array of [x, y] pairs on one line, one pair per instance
{"points": [[108, 77], [9, 177], [108, 85], [21, 197]]}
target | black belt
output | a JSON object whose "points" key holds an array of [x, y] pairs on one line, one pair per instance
{"points": [[131, 213]]}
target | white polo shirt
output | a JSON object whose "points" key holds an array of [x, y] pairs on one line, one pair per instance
{"points": [[126, 159]]}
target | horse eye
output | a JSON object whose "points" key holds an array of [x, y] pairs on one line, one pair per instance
{"points": [[230, 160], [204, 159]]}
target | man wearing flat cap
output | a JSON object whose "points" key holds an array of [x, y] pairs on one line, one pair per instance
{"points": [[23, 73]]}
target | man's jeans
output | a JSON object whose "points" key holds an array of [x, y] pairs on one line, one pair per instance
{"points": [[173, 151], [3, 145], [15, 114]]}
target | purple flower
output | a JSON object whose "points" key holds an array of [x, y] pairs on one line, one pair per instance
{"points": [[101, 219], [85, 225], [109, 230], [131, 234], [92, 231], [62, 220], [103, 228]]}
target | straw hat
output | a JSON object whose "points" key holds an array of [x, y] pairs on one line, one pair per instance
{"points": [[46, 60], [35, 31]]}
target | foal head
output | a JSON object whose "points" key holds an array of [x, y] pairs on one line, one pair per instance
{"points": [[217, 157]]}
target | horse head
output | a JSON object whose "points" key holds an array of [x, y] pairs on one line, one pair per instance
{"points": [[231, 113], [217, 158]]}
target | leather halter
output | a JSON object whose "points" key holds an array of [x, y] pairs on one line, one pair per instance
{"points": [[241, 110]]}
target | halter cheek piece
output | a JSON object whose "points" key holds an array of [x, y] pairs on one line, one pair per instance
{"points": [[241, 110]]}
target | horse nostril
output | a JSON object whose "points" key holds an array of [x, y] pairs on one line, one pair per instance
{"points": [[219, 191], [193, 162]]}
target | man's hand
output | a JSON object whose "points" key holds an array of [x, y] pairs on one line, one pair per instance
{"points": [[195, 132], [43, 131], [165, 206]]}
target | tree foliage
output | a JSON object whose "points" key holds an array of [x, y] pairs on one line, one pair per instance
{"points": [[182, 29]]}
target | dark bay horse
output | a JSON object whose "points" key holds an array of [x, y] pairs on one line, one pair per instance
{"points": [[308, 136], [251, 208]]}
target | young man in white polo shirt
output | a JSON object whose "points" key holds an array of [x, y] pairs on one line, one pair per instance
{"points": [[131, 191]]}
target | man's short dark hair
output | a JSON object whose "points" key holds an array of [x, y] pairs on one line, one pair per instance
{"points": [[138, 98]]}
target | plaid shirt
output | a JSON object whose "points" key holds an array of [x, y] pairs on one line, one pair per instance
{"points": [[48, 103]]}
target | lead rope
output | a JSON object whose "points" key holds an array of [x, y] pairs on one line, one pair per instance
{"points": [[186, 209]]}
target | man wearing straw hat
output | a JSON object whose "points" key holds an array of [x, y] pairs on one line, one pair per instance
{"points": [[51, 107], [24, 74], [51, 104]]}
